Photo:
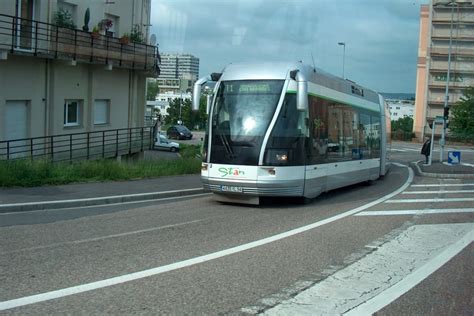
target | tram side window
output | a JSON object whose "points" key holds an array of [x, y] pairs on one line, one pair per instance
{"points": [[349, 145], [375, 136], [317, 149], [355, 145], [340, 133], [364, 136]]}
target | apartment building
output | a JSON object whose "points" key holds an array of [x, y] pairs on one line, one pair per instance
{"points": [[179, 72], [400, 108], [72, 66], [441, 21]]}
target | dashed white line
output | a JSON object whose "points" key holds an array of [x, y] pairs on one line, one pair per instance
{"points": [[442, 185], [435, 200], [82, 241], [416, 212], [439, 192]]}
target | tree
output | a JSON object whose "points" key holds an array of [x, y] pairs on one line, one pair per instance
{"points": [[189, 118], [402, 128], [461, 122], [152, 89]]}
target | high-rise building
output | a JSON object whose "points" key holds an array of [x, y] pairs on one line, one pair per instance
{"points": [[178, 72], [441, 21]]}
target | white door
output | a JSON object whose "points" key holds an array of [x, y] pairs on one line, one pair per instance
{"points": [[16, 120]]}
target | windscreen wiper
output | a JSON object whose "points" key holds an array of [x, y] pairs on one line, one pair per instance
{"points": [[227, 146]]}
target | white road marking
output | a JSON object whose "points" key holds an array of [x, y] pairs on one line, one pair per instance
{"points": [[435, 200], [110, 204], [27, 300], [383, 275], [82, 241], [416, 212], [383, 299], [141, 195], [442, 185], [440, 192]]}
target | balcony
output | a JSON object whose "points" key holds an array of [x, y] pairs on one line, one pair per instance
{"points": [[29, 37], [443, 51]]}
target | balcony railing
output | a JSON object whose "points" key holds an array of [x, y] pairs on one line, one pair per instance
{"points": [[443, 51], [23, 36], [80, 146]]}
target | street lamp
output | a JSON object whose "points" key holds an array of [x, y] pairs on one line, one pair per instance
{"points": [[343, 44], [446, 93]]}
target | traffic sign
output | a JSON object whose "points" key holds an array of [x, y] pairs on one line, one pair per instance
{"points": [[454, 157]]}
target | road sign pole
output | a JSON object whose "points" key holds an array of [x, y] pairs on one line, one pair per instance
{"points": [[442, 142], [432, 143]]}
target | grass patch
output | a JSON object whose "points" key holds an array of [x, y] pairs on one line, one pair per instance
{"points": [[189, 151], [25, 173]]}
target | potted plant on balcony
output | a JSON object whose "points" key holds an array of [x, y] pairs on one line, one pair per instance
{"points": [[63, 18], [87, 18], [125, 39], [95, 32], [136, 35], [105, 25], [63, 30]]}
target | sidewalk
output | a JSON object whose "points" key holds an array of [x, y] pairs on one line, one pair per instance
{"points": [[443, 170], [97, 193]]}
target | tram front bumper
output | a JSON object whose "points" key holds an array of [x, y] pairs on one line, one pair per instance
{"points": [[255, 188]]}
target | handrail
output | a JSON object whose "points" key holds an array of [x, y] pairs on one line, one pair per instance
{"points": [[77, 146], [31, 37]]}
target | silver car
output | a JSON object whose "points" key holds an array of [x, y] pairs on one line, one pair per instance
{"points": [[165, 144]]}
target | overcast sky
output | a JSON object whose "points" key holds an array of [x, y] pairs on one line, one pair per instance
{"points": [[381, 36]]}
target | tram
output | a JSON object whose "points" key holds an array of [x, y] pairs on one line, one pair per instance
{"points": [[289, 129]]}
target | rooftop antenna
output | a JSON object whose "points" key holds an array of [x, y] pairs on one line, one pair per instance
{"points": [[314, 66]]}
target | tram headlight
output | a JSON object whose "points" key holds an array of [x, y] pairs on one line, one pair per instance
{"points": [[277, 157], [282, 157]]}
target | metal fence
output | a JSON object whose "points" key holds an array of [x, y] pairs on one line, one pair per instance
{"points": [[30, 37], [80, 146]]}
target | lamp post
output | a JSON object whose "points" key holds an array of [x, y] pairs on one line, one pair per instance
{"points": [[448, 75], [343, 44], [180, 106]]}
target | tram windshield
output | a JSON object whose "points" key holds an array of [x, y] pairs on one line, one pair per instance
{"points": [[243, 111]]}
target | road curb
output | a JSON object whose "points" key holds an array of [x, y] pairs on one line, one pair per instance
{"points": [[104, 200], [418, 172]]}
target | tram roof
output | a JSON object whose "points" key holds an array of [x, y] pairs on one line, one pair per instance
{"points": [[280, 70]]}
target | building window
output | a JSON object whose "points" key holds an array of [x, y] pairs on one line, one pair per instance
{"points": [[101, 112], [72, 111], [114, 29]]}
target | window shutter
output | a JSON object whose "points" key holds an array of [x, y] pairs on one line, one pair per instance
{"points": [[101, 112]]}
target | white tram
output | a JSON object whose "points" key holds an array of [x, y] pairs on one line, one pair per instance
{"points": [[288, 129]]}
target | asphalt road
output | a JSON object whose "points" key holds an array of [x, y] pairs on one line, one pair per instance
{"points": [[202, 257]]}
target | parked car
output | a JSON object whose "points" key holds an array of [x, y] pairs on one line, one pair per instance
{"points": [[165, 144], [179, 132]]}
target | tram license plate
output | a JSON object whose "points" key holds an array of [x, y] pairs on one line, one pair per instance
{"points": [[229, 188]]}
